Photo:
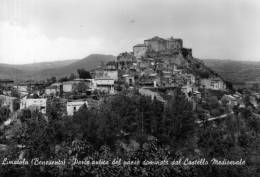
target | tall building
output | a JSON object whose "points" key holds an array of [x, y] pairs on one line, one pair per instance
{"points": [[158, 44]]}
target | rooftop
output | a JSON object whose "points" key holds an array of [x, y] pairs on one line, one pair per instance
{"points": [[155, 38], [140, 45]]}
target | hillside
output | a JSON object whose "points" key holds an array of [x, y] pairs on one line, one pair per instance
{"points": [[8, 72], [25, 71], [35, 67], [88, 63], [40, 71], [236, 71]]}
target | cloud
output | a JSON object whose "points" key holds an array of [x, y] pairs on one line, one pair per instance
{"points": [[37, 30], [27, 44]]}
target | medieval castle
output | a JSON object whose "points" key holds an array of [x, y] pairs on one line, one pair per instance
{"points": [[160, 46]]}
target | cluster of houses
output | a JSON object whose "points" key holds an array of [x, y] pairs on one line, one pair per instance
{"points": [[35, 96], [157, 63], [162, 63], [238, 100]]}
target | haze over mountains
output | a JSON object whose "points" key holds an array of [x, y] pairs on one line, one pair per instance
{"points": [[41, 71]]}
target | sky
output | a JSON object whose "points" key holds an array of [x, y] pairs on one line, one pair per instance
{"points": [[47, 30]]}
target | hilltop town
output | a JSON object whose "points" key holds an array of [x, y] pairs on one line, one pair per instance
{"points": [[154, 68]]}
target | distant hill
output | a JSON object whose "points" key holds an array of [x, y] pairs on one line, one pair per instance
{"points": [[236, 71], [8, 72], [35, 67], [88, 63], [25, 71], [41, 71]]}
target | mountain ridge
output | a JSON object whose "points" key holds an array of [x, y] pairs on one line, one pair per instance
{"points": [[57, 68], [40, 65]]}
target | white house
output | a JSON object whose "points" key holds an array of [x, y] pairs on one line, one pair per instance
{"points": [[51, 90], [229, 99], [218, 84], [190, 79], [105, 85], [69, 86], [22, 89], [107, 74], [129, 79], [140, 50], [213, 83], [54, 88], [34, 103], [73, 106]]}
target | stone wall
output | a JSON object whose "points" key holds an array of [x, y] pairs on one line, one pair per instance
{"points": [[140, 51]]}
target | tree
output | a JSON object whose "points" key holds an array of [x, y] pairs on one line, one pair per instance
{"points": [[51, 80], [14, 93], [55, 108], [255, 87], [179, 122], [16, 104], [203, 74], [131, 126], [4, 114], [83, 74], [72, 76], [63, 79], [81, 87]]}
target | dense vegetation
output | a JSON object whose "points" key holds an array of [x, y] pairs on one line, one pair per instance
{"points": [[133, 127]]}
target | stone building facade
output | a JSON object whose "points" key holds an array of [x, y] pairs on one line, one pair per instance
{"points": [[140, 50], [159, 45], [213, 83]]}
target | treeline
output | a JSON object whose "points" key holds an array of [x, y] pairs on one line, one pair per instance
{"points": [[133, 127], [81, 73]]}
